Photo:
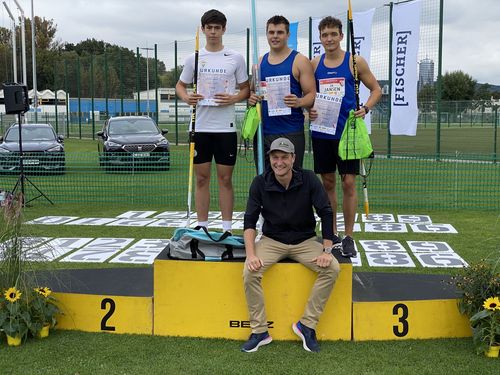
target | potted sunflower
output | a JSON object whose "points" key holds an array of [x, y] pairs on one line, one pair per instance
{"points": [[43, 309], [15, 318], [486, 326], [479, 285]]}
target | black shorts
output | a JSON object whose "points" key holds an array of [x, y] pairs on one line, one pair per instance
{"points": [[326, 158], [222, 147]]}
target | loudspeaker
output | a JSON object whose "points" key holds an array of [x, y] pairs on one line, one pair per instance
{"points": [[16, 98]]}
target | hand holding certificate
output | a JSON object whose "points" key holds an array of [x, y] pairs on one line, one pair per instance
{"points": [[277, 87], [327, 108]]}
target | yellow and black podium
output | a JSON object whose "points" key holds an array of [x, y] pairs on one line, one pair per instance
{"points": [[206, 299]]}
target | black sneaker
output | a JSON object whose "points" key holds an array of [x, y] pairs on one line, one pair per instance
{"points": [[255, 341], [337, 243], [348, 249], [199, 227], [308, 336]]}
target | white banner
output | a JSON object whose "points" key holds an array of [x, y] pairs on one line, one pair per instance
{"points": [[317, 47], [363, 45], [405, 42]]}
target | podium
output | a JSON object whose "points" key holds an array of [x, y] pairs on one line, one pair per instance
{"points": [[206, 299]]}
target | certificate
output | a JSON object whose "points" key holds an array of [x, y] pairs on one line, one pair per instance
{"points": [[210, 84], [328, 108], [277, 87]]}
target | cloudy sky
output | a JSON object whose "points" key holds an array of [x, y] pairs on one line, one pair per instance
{"points": [[470, 42]]}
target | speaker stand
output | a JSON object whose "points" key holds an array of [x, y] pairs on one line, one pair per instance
{"points": [[22, 179]]}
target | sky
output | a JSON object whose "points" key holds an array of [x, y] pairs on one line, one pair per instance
{"points": [[471, 39]]}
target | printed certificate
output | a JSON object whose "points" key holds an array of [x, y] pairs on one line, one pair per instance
{"points": [[210, 84], [328, 108], [277, 87]]}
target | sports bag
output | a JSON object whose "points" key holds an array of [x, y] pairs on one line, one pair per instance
{"points": [[250, 123], [194, 244], [355, 142]]}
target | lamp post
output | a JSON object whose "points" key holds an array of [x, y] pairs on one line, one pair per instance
{"points": [[14, 47], [33, 55], [23, 42], [147, 76]]}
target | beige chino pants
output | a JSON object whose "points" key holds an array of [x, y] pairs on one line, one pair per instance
{"points": [[271, 252]]}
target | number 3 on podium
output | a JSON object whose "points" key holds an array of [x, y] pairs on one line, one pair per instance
{"points": [[401, 311]]}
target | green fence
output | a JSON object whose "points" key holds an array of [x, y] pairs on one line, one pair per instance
{"points": [[120, 78], [406, 181]]}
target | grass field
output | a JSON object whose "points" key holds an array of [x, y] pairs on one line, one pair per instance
{"points": [[72, 353], [66, 352]]}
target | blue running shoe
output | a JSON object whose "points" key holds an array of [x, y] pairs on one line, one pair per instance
{"points": [[307, 335], [255, 341]]}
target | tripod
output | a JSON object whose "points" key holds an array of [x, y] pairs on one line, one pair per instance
{"points": [[22, 179]]}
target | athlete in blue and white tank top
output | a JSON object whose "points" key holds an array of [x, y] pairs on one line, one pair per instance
{"points": [[334, 76], [282, 124], [288, 80]]}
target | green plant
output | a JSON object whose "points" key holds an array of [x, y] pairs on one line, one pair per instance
{"points": [[15, 318], [43, 308], [12, 262], [477, 283], [486, 325]]}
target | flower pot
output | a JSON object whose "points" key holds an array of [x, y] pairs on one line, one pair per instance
{"points": [[44, 331], [492, 351], [13, 341]]}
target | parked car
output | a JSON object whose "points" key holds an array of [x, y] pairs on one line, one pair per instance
{"points": [[133, 142], [43, 150]]}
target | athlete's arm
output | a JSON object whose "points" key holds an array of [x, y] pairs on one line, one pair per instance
{"points": [[303, 72], [366, 76], [181, 90], [313, 114]]}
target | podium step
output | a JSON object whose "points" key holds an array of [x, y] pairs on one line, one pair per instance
{"points": [[206, 299]]}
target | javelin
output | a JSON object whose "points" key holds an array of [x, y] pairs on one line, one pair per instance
{"points": [[256, 79], [356, 93], [193, 124]]}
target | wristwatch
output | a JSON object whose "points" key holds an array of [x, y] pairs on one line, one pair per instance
{"points": [[367, 109], [327, 250]]}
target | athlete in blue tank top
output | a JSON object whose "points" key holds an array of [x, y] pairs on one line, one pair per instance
{"points": [[285, 123], [334, 76], [287, 80]]}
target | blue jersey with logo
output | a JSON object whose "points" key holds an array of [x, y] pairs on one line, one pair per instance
{"points": [[340, 81], [286, 123]]}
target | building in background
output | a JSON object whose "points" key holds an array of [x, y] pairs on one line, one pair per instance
{"points": [[425, 73]]}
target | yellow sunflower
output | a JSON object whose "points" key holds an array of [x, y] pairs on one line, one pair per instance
{"points": [[492, 303], [44, 291], [12, 294]]}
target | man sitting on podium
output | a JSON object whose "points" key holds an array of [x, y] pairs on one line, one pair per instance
{"points": [[285, 197]]}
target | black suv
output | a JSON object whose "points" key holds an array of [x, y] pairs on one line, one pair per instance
{"points": [[133, 142], [43, 150]]}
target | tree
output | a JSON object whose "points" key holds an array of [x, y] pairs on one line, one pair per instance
{"points": [[168, 79], [458, 86], [427, 98]]}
